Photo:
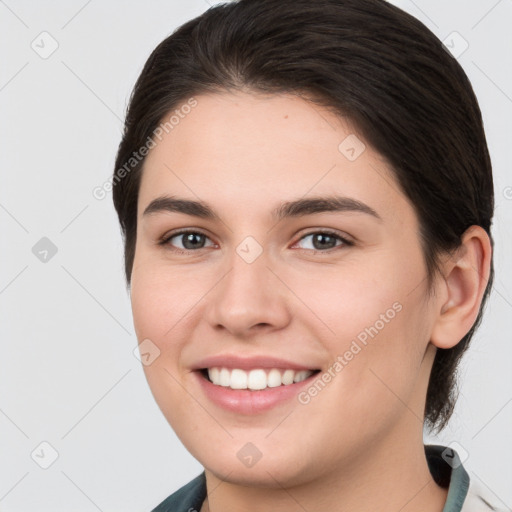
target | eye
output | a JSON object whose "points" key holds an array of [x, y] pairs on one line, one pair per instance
{"points": [[323, 241], [185, 241]]}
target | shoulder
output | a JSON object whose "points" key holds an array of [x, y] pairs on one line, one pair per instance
{"points": [[188, 498], [480, 499], [465, 493]]}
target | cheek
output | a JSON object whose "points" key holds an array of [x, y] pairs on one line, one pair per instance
{"points": [[350, 299], [161, 309], [376, 329], [389, 370], [163, 302], [377, 373], [149, 308]]}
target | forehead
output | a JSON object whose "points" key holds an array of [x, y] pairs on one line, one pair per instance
{"points": [[251, 128], [241, 149]]}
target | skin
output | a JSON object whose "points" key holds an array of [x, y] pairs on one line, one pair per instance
{"points": [[244, 154]]}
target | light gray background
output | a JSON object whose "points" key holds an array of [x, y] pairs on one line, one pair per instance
{"points": [[68, 374]]}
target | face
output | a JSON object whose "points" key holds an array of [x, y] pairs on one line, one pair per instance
{"points": [[275, 250]]}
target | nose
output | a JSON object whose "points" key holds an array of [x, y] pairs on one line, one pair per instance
{"points": [[249, 299]]}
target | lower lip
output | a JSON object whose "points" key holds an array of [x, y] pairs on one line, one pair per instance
{"points": [[245, 401]]}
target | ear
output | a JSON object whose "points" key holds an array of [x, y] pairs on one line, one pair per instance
{"points": [[466, 274]]}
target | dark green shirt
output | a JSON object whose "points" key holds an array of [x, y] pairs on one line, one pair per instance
{"points": [[443, 462]]}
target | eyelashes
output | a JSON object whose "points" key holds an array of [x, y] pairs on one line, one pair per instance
{"points": [[189, 239], [323, 236]]}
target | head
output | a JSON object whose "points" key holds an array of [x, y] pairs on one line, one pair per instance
{"points": [[258, 103]]}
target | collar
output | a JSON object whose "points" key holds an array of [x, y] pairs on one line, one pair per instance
{"points": [[448, 472]]}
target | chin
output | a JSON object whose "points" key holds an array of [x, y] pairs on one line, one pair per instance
{"points": [[269, 471]]}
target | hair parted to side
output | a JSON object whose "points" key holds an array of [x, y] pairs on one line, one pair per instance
{"points": [[364, 59]]}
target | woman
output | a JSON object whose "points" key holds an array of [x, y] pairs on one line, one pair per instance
{"points": [[306, 198]]}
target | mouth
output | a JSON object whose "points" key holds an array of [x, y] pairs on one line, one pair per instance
{"points": [[256, 379], [252, 385]]}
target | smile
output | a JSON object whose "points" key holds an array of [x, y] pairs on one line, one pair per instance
{"points": [[255, 384], [255, 379]]}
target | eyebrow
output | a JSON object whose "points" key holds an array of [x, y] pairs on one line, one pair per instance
{"points": [[296, 208]]}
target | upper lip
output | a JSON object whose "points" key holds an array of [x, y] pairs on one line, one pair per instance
{"points": [[248, 363]]}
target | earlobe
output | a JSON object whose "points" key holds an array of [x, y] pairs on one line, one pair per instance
{"points": [[466, 274]]}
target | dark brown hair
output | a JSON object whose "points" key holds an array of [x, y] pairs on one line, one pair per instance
{"points": [[363, 59]]}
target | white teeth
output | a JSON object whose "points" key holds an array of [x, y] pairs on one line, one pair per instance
{"points": [[274, 378], [224, 377], [256, 379], [238, 379], [214, 374], [288, 377], [300, 376]]}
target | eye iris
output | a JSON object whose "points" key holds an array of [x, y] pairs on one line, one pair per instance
{"points": [[192, 240], [323, 241]]}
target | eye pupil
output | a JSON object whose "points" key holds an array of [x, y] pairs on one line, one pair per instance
{"points": [[322, 240], [192, 240]]}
